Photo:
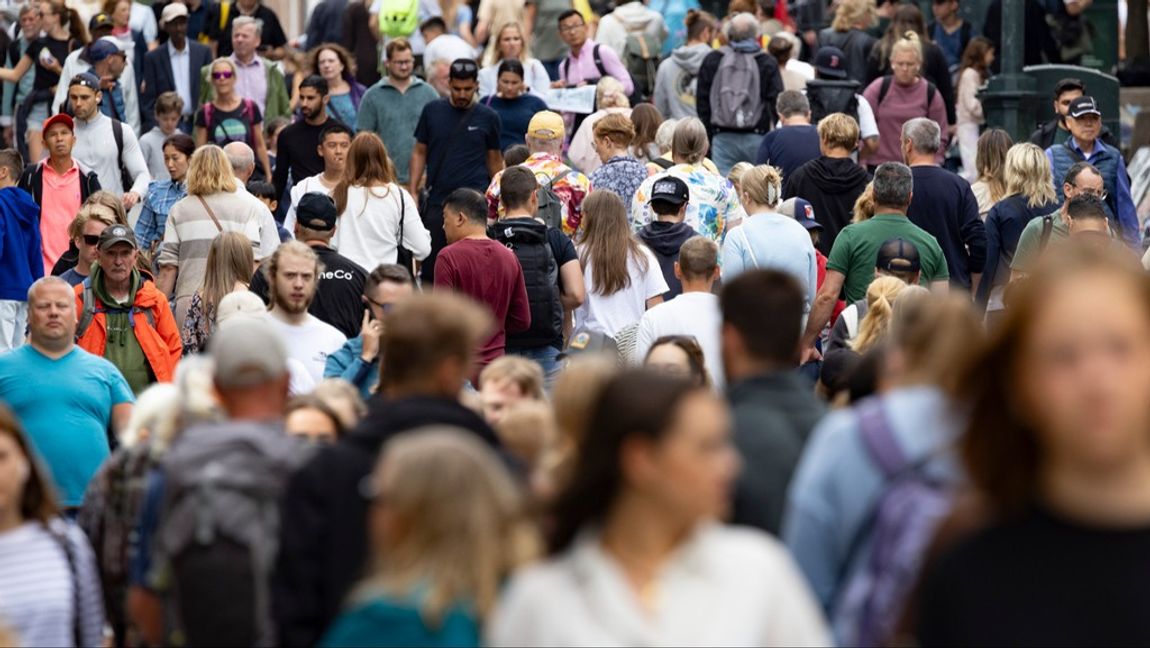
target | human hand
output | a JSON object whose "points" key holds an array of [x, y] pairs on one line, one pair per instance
{"points": [[370, 332]]}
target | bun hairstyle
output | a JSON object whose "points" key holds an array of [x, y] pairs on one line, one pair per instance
{"points": [[697, 22], [763, 185], [909, 42]]}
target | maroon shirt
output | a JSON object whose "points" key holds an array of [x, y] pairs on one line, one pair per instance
{"points": [[489, 273]]}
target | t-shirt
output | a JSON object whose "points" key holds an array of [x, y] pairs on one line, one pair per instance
{"points": [[45, 78], [310, 343], [230, 125], [456, 159], [298, 153], [789, 147], [72, 277], [514, 116], [66, 408], [610, 314], [338, 295], [489, 273], [1030, 243], [856, 250], [695, 314]]}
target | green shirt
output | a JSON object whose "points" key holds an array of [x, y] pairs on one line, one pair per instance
{"points": [[122, 348], [856, 250], [1030, 243]]}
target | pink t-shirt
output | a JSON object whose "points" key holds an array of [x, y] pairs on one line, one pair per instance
{"points": [[900, 105], [59, 202]]}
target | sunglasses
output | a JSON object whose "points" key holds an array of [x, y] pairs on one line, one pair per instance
{"points": [[380, 305], [226, 74], [91, 239], [464, 69]]}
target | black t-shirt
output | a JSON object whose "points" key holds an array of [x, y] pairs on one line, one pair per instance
{"points": [[59, 49], [1040, 580], [339, 295], [229, 126], [272, 35], [298, 152], [462, 152]]}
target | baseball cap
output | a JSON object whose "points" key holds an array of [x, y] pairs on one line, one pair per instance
{"points": [[173, 11], [316, 211], [117, 234], [830, 62], [670, 189], [898, 255], [86, 79], [1083, 106], [100, 21], [801, 210], [546, 125], [463, 69], [102, 48], [247, 351], [59, 118], [239, 304]]}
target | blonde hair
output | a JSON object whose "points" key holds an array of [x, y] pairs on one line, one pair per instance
{"points": [[90, 212], [880, 296], [529, 432], [230, 260], [864, 205], [494, 55], [617, 128], [462, 522], [909, 42], [735, 175], [210, 172], [1028, 174], [854, 12], [609, 93], [762, 185], [525, 374], [839, 131], [343, 399], [223, 60]]}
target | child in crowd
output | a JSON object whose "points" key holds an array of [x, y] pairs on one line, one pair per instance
{"points": [[169, 107]]}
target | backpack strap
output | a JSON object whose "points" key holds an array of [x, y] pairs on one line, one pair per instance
{"points": [[878, 438], [209, 110], [884, 88], [1047, 228], [118, 135], [88, 312], [931, 90], [61, 538], [599, 61]]}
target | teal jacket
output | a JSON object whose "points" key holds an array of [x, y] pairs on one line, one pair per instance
{"points": [[347, 363], [385, 622]]}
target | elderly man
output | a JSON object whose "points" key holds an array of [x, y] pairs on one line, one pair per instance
{"points": [[243, 161], [256, 77], [221, 29], [69, 434]]}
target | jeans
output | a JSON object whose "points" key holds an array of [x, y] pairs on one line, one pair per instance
{"points": [[728, 149], [547, 357], [13, 321]]}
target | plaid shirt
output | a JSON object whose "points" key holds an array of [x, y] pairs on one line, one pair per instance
{"points": [[162, 194]]}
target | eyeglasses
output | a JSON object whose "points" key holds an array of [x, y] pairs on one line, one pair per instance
{"points": [[380, 305], [91, 239], [226, 74], [572, 27], [403, 62]]}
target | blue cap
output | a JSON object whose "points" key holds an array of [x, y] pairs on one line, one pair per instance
{"points": [[801, 210], [101, 49]]}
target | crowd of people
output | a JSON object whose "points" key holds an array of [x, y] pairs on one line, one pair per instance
{"points": [[387, 335]]}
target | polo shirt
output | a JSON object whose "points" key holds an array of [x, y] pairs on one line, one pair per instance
{"points": [[856, 250], [59, 202]]}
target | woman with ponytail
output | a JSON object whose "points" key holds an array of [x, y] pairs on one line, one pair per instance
{"points": [[880, 296]]}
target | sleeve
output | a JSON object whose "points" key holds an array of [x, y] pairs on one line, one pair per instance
{"points": [[993, 252], [795, 619], [770, 87], [493, 135], [492, 195], [148, 93], [868, 127], [812, 275], [972, 230], [445, 273], [968, 94], [118, 388], [283, 165], [941, 269], [567, 252], [662, 98], [764, 154], [733, 262], [840, 256], [9, 90], [644, 338], [703, 82], [149, 28], [90, 597], [168, 330], [1127, 214], [654, 285], [415, 236], [170, 248], [840, 336], [422, 134], [346, 364], [615, 68], [519, 314], [147, 229], [733, 212], [200, 119], [133, 159]]}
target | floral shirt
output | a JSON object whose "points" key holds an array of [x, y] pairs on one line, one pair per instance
{"points": [[621, 175], [198, 325], [714, 205], [570, 188]]}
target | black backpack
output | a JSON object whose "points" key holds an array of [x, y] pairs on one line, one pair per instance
{"points": [[827, 97], [528, 240], [887, 80]]}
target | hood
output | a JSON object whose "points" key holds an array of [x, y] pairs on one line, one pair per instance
{"points": [[836, 175], [26, 211], [665, 239], [690, 57], [635, 16]]}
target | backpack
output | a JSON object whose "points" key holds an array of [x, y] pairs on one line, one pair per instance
{"points": [[89, 309], [899, 530], [528, 240], [887, 80], [398, 18], [598, 65], [550, 205], [736, 101], [248, 112], [641, 58], [828, 97], [219, 531]]}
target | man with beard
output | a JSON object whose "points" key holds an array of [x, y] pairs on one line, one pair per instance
{"points": [[391, 108], [292, 274], [298, 144], [334, 143]]}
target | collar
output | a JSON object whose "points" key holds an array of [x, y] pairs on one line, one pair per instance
{"points": [[257, 61], [47, 166], [415, 81], [172, 51], [889, 216], [1074, 145], [588, 48], [620, 158]]}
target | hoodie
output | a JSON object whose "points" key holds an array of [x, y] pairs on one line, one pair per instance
{"points": [[831, 185], [665, 239], [630, 18], [21, 262], [675, 81]]}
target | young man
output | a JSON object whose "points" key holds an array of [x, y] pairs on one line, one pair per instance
{"points": [[168, 108], [897, 258], [482, 269], [124, 318], [174, 67], [21, 256], [85, 231], [392, 107], [117, 101], [1081, 178], [298, 145], [796, 142], [950, 32], [292, 274], [1055, 131], [587, 61], [668, 232], [96, 146], [633, 17], [332, 146]]}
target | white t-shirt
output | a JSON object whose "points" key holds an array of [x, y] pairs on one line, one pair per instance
{"points": [[310, 343], [367, 228], [868, 127], [307, 185], [610, 314], [692, 313]]}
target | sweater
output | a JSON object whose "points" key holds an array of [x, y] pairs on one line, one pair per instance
{"points": [[675, 81], [944, 206], [831, 185], [901, 104], [393, 115]]}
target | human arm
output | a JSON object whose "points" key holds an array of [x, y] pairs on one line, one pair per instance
{"points": [[993, 252], [166, 282], [733, 262], [15, 74], [417, 165], [938, 113], [973, 233], [703, 82], [615, 68], [169, 331], [147, 226], [821, 310], [283, 163], [355, 367], [133, 160], [574, 293], [770, 87], [868, 128], [261, 149], [132, 99], [494, 160], [529, 13], [416, 237]]}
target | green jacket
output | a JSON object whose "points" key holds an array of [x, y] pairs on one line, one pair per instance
{"points": [[278, 102]]}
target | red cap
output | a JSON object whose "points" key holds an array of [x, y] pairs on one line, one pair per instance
{"points": [[59, 118]]}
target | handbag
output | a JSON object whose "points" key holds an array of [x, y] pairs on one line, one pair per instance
{"points": [[403, 256]]}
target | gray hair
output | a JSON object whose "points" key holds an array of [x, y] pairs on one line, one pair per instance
{"points": [[893, 184], [791, 103], [45, 281], [923, 134], [240, 156], [742, 26], [248, 21], [666, 134]]}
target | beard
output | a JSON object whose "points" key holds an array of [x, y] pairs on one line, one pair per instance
{"points": [[289, 305]]}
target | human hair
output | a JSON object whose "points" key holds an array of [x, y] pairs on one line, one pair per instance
{"points": [[609, 93], [616, 128], [469, 201], [345, 59], [1076, 169], [426, 329], [690, 142], [1066, 85], [435, 23], [697, 22], [334, 127], [567, 14], [1086, 206], [690, 347], [462, 521], [573, 397], [294, 248], [923, 134], [265, 190], [273, 126], [765, 307], [907, 18], [529, 433], [1028, 174], [974, 56], [513, 66], [864, 207], [168, 103], [853, 12], [11, 159], [497, 54], [665, 135], [111, 202], [230, 261], [781, 49], [526, 375], [241, 157], [637, 403], [368, 166], [70, 18], [155, 415], [313, 402], [516, 154], [762, 185], [893, 184], [698, 258], [910, 42], [839, 131], [516, 186], [182, 142], [386, 272], [880, 296], [738, 170], [89, 212], [791, 103], [990, 161], [646, 119], [210, 172], [315, 82], [248, 21], [606, 244], [38, 500], [343, 399], [741, 27]]}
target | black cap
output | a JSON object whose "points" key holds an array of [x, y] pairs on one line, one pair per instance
{"points": [[117, 234], [316, 211], [463, 69], [1083, 106], [898, 255], [830, 62], [86, 79], [100, 20], [670, 189]]}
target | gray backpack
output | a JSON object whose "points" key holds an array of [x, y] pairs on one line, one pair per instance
{"points": [[736, 100], [550, 206], [219, 531]]}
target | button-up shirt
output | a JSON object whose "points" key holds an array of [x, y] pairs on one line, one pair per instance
{"points": [[574, 68], [252, 81], [162, 194], [181, 61]]}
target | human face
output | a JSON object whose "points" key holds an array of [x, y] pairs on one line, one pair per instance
{"points": [[462, 92], [511, 43], [311, 103], [573, 31], [1062, 103], [989, 60], [295, 283], [510, 85], [87, 241], [85, 101], [117, 262], [122, 13], [177, 30], [1085, 128], [49, 19], [14, 472], [176, 163], [905, 66], [245, 42], [168, 122], [30, 24], [52, 315], [330, 67], [498, 397], [116, 64], [223, 78], [333, 152], [312, 424], [401, 66], [944, 10], [1085, 372], [1087, 182], [669, 359], [386, 295], [59, 140]]}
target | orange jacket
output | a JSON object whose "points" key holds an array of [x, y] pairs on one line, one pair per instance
{"points": [[162, 345]]}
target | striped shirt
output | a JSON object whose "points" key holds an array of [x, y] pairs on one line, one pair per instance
{"points": [[38, 581]]}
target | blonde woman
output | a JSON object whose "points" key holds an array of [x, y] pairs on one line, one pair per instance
{"points": [[864, 207], [848, 32], [230, 267], [230, 117], [1029, 195], [880, 297], [509, 44], [990, 187], [611, 100], [908, 95], [447, 526]]}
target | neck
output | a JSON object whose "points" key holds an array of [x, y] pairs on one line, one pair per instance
{"points": [[225, 97], [576, 49], [60, 164], [796, 120], [54, 350], [178, 42], [245, 59], [951, 22], [1115, 496], [119, 290], [887, 209], [697, 285], [10, 518], [475, 233], [837, 153], [256, 410], [318, 120], [518, 213], [641, 537], [920, 159], [6, 182], [400, 84], [331, 177], [616, 152], [295, 319], [1086, 146]]}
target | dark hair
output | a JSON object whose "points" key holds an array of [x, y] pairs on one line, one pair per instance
{"points": [[638, 403], [1085, 205], [181, 142], [39, 501], [694, 352], [11, 159], [469, 201], [264, 190], [567, 14], [1066, 85], [646, 119], [391, 272], [893, 184], [311, 401], [273, 125], [516, 154], [435, 22], [516, 186], [316, 82], [510, 65], [334, 127], [974, 56], [766, 308], [1071, 177], [665, 207]]}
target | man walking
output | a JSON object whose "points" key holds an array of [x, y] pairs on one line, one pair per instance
{"points": [[292, 274], [334, 143], [392, 107], [174, 67], [298, 144], [106, 145]]}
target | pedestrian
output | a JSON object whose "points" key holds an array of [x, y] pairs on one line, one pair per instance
{"points": [[621, 173], [360, 34], [677, 75], [952, 34], [796, 141], [831, 91], [666, 234], [977, 58], [162, 194], [174, 67], [310, 418], [292, 274], [30, 28], [229, 269], [932, 61], [989, 186], [513, 103], [848, 33], [84, 231], [587, 61], [1082, 178], [222, 23], [105, 145], [333, 144], [108, 61], [508, 44], [259, 194], [230, 116], [633, 18], [1056, 131], [298, 146], [646, 118], [897, 258], [902, 96], [680, 356], [506, 383], [168, 108], [609, 100], [334, 64], [21, 255]]}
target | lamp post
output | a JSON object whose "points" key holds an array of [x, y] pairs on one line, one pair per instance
{"points": [[1008, 97]]}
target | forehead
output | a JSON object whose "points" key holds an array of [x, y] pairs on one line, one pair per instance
{"points": [[328, 54], [248, 30], [1088, 178], [58, 129], [81, 92], [1069, 95], [54, 292], [389, 291], [94, 226], [295, 264], [119, 248], [337, 138]]}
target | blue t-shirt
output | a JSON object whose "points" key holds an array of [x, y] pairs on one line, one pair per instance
{"points": [[514, 116], [789, 147], [950, 44], [462, 154], [65, 406]]}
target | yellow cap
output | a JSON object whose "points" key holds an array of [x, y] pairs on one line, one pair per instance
{"points": [[546, 125]]}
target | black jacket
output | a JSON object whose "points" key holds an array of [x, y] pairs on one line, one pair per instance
{"points": [[831, 185], [934, 69], [32, 181], [665, 239], [1043, 136], [323, 540], [770, 85], [158, 78]]}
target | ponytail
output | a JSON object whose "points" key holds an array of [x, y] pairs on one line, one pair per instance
{"points": [[880, 296], [76, 26]]}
